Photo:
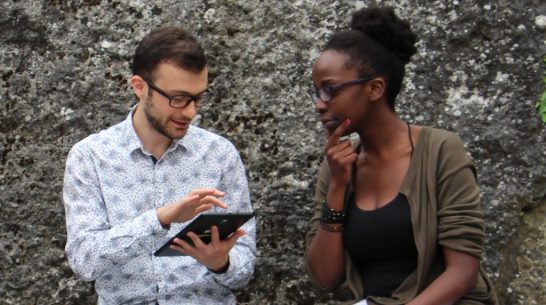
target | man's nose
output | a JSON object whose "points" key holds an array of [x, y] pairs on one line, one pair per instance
{"points": [[190, 110]]}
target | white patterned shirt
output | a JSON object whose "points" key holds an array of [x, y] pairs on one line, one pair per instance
{"points": [[111, 191]]}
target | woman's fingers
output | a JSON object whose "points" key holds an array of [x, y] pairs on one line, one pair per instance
{"points": [[333, 138], [341, 151], [340, 147], [349, 159]]}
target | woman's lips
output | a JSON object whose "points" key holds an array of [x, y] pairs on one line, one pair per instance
{"points": [[330, 124]]}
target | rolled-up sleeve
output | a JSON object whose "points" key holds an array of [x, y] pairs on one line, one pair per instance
{"points": [[460, 219]]}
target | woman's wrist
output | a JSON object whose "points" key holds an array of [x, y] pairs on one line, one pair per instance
{"points": [[335, 198], [336, 185], [330, 215], [332, 227]]}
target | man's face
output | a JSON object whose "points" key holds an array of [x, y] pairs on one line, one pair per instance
{"points": [[170, 122]]}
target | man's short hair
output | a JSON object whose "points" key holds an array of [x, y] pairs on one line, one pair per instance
{"points": [[168, 44]]}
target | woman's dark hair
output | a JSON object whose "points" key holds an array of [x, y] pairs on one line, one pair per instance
{"points": [[378, 43], [168, 43]]}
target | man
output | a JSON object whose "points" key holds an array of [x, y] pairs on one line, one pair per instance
{"points": [[131, 187]]}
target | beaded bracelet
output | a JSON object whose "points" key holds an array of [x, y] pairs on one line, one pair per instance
{"points": [[331, 228], [329, 215]]}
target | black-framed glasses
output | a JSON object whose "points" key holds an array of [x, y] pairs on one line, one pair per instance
{"points": [[181, 100], [327, 93]]}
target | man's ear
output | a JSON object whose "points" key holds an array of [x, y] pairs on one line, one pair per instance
{"points": [[377, 88], [139, 86]]}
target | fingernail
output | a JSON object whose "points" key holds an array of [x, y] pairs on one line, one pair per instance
{"points": [[347, 122]]}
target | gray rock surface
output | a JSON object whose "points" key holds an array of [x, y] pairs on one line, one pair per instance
{"points": [[63, 75]]}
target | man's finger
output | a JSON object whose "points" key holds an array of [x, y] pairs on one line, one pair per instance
{"points": [[214, 201], [207, 192], [204, 207], [181, 245], [178, 248], [234, 237], [197, 242], [214, 235], [190, 199]]}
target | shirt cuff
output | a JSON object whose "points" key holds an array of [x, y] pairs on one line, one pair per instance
{"points": [[152, 222], [222, 270], [234, 274], [231, 270]]}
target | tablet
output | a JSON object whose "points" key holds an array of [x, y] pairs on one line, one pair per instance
{"points": [[227, 224]]}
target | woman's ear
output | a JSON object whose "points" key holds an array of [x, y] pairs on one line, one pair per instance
{"points": [[138, 85], [377, 88]]}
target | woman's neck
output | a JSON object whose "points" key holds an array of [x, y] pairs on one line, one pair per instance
{"points": [[383, 135]]}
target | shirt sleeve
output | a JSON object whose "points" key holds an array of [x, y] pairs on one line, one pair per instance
{"points": [[460, 219], [93, 245], [242, 256]]}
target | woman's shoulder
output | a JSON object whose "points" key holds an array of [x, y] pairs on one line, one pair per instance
{"points": [[438, 133], [440, 137], [441, 144]]}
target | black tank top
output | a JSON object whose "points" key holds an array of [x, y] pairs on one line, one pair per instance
{"points": [[381, 243]]}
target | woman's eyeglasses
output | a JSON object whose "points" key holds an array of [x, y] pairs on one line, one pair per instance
{"points": [[327, 93]]}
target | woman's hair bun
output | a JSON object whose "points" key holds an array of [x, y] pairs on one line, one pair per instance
{"points": [[382, 24]]}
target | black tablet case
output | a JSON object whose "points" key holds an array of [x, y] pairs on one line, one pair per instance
{"points": [[227, 224]]}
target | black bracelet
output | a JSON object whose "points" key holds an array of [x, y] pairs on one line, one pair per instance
{"points": [[329, 215], [331, 228]]}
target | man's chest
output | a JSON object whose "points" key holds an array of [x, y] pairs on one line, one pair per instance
{"points": [[131, 186]]}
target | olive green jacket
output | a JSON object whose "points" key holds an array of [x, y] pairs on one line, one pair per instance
{"points": [[443, 195]]}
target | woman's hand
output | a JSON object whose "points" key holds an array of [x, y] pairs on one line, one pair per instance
{"points": [[340, 156]]}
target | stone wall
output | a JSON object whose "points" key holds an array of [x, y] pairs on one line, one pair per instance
{"points": [[63, 75]]}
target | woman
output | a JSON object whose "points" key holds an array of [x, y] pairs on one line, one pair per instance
{"points": [[397, 213]]}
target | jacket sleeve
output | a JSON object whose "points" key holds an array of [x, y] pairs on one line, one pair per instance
{"points": [[94, 246], [321, 191], [460, 219]]}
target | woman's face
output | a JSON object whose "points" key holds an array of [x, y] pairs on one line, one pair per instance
{"points": [[348, 102]]}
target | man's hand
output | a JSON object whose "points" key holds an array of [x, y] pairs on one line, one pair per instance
{"points": [[198, 201], [215, 255]]}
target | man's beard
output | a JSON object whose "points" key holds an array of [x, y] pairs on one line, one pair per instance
{"points": [[156, 124]]}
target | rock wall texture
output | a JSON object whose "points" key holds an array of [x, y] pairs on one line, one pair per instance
{"points": [[63, 75]]}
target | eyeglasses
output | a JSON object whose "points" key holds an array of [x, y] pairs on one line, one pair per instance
{"points": [[326, 93], [181, 100]]}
